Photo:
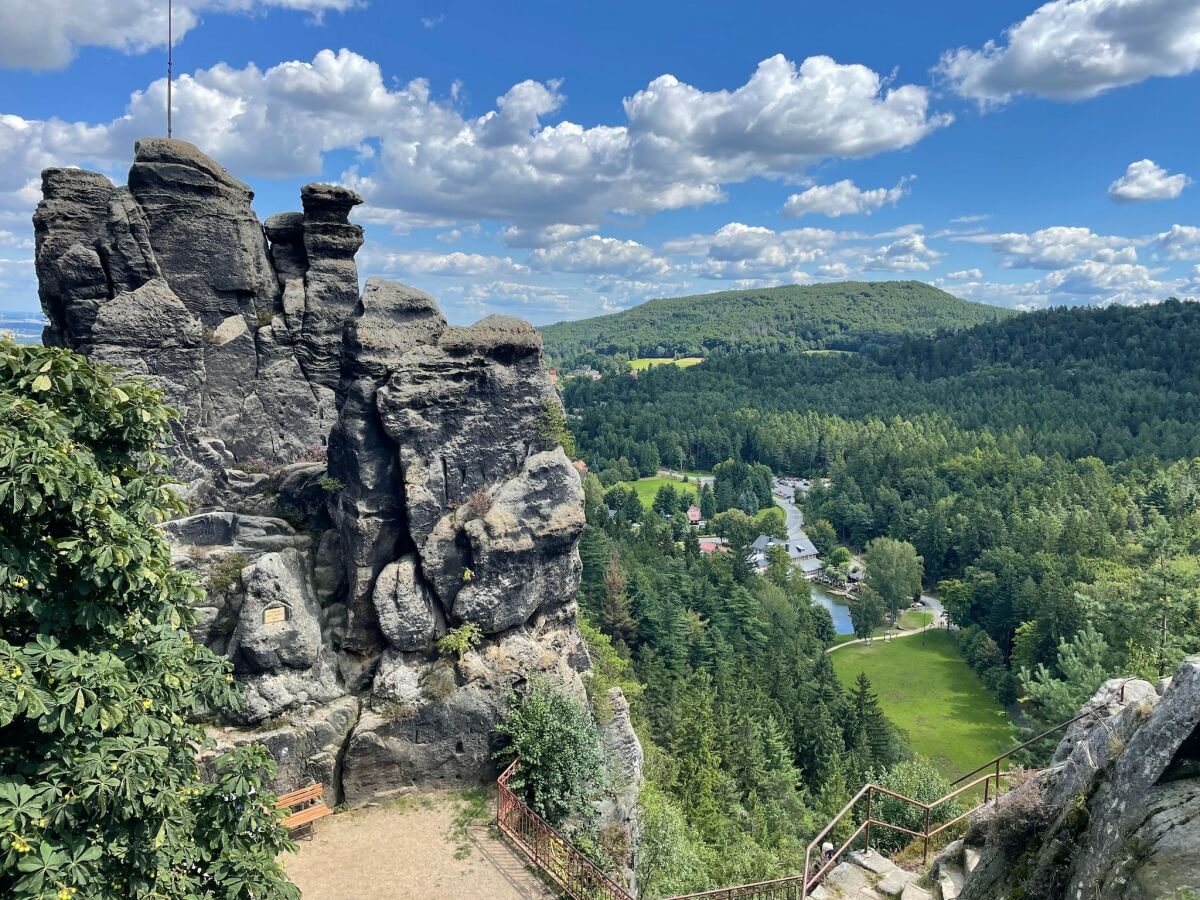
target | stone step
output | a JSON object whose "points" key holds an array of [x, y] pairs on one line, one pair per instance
{"points": [[912, 892], [950, 881], [894, 883], [872, 861], [847, 882]]}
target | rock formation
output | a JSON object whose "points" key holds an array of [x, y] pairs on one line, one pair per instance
{"points": [[363, 476], [1115, 816]]}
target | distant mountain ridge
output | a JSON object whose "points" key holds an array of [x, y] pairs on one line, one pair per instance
{"points": [[848, 315]]}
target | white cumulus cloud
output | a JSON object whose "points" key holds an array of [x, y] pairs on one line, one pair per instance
{"points": [[1073, 49], [908, 254], [966, 275], [1146, 180], [46, 34], [597, 255], [1056, 247], [843, 198]]}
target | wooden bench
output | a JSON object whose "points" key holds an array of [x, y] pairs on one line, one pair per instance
{"points": [[306, 807]]}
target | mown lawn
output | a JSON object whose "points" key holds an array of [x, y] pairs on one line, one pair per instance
{"points": [[930, 693], [646, 362], [647, 487]]}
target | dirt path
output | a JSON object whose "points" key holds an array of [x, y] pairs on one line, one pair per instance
{"points": [[895, 636], [422, 846]]}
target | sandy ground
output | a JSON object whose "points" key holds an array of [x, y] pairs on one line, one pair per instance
{"points": [[420, 846]]}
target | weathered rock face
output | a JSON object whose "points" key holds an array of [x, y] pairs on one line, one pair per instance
{"points": [[366, 476], [1116, 816], [172, 277]]}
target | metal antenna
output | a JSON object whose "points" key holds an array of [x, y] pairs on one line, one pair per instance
{"points": [[170, 64]]}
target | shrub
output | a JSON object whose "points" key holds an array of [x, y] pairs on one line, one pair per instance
{"points": [[226, 571], [552, 427], [478, 504], [330, 484], [458, 641], [562, 767], [919, 779], [100, 789]]}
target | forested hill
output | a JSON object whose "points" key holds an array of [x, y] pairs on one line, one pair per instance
{"points": [[1111, 383], [850, 315]]}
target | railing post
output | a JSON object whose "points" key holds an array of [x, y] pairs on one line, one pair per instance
{"points": [[925, 851], [867, 834], [997, 779]]}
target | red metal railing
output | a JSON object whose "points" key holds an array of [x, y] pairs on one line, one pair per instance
{"points": [[581, 879], [548, 850]]}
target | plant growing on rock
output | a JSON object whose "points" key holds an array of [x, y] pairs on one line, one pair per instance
{"points": [[553, 735], [226, 571], [457, 641], [330, 484], [101, 792], [552, 427], [478, 504]]}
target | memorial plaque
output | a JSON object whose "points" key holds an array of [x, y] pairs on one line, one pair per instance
{"points": [[274, 615]]}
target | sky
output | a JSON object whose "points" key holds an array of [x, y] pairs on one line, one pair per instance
{"points": [[559, 160]]}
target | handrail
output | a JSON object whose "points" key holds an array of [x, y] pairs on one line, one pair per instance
{"points": [[549, 851], [581, 879]]}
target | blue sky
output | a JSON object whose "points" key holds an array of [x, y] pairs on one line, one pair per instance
{"points": [[557, 160]]}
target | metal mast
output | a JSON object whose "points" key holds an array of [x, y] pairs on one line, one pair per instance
{"points": [[170, 64]]}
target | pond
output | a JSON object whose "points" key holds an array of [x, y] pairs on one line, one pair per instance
{"points": [[836, 605]]}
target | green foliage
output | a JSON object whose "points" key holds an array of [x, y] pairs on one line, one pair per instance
{"points": [[894, 572], [101, 794], [330, 484], [670, 861], [1082, 665], [562, 766], [866, 612], [226, 571], [918, 779], [458, 641], [851, 315], [552, 427]]}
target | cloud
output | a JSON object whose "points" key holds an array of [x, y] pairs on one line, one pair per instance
{"points": [[374, 259], [1180, 242], [1057, 247], [966, 275], [740, 251], [969, 220], [909, 254], [1145, 180], [544, 236], [1074, 49], [844, 198], [46, 34], [600, 255], [432, 21]]}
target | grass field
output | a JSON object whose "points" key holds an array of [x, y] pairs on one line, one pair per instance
{"points": [[647, 487], [913, 618], [647, 361], [928, 691]]}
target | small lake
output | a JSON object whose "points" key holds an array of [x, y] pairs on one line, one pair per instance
{"points": [[836, 605]]}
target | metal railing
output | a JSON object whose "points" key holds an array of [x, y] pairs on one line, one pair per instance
{"points": [[548, 850], [583, 880]]}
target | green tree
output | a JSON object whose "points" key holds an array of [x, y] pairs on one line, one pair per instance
{"points": [[894, 571], [1053, 697], [101, 792], [822, 535], [553, 735], [866, 613], [669, 861], [552, 427]]}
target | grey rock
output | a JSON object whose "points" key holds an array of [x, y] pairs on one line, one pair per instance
{"points": [[444, 502], [306, 749], [619, 811], [408, 616], [277, 582], [914, 892]]}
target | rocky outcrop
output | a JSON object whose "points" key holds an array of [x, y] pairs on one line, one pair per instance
{"points": [[365, 477], [1116, 815]]}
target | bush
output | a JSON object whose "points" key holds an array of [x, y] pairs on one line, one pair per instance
{"points": [[225, 572], [330, 484], [919, 779], [478, 504], [457, 641], [562, 767]]}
